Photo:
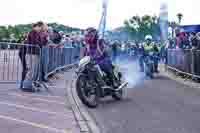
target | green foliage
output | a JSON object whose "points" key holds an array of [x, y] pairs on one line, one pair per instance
{"points": [[19, 30], [60, 27], [3, 33], [139, 27]]}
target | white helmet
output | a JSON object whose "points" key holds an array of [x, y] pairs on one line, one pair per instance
{"points": [[148, 37]]}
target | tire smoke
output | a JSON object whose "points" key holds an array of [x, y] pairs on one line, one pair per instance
{"points": [[130, 71]]}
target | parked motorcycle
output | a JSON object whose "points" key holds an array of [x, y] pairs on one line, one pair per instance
{"points": [[89, 90]]}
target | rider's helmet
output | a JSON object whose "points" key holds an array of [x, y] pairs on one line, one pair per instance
{"points": [[91, 36], [148, 37]]}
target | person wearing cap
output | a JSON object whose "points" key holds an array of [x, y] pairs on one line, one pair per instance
{"points": [[44, 55]]}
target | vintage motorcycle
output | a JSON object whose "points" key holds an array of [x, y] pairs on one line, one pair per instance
{"points": [[89, 90]]}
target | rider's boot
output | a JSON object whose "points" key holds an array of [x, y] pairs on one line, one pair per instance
{"points": [[113, 80], [156, 68]]}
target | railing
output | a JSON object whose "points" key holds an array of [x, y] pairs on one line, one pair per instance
{"points": [[186, 61], [56, 58], [21, 61]]}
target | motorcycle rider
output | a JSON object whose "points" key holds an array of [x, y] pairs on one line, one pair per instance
{"points": [[96, 49], [150, 47]]}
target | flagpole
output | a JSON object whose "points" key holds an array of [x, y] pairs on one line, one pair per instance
{"points": [[102, 24]]}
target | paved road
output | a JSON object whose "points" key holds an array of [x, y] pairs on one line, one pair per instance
{"points": [[43, 112], [157, 106]]}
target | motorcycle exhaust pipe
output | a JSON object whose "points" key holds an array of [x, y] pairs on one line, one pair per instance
{"points": [[122, 86]]}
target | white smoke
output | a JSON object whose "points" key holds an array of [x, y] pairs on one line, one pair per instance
{"points": [[130, 71]]}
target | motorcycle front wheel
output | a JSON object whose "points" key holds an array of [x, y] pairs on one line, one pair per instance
{"points": [[89, 96]]}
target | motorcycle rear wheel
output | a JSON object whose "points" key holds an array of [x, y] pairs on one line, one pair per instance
{"points": [[118, 95], [81, 88]]}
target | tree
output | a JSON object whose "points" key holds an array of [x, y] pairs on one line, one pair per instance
{"points": [[4, 34], [19, 30], [141, 26], [179, 16]]}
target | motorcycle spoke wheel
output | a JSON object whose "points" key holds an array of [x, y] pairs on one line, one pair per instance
{"points": [[87, 94]]}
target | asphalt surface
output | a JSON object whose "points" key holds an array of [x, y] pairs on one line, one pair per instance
{"points": [[153, 106], [42, 112]]}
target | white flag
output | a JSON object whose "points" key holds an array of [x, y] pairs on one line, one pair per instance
{"points": [[102, 24]]}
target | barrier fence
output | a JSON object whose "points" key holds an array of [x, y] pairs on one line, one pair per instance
{"points": [[21, 61], [14, 59], [186, 61]]}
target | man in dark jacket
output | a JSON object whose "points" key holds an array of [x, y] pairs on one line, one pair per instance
{"points": [[44, 58], [33, 54], [22, 56]]}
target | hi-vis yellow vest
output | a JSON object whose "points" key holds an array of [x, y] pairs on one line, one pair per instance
{"points": [[148, 48]]}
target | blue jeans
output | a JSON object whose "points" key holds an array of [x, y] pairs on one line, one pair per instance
{"points": [[106, 67], [44, 62]]}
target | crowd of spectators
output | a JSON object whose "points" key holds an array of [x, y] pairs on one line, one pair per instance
{"points": [[36, 50], [185, 41]]}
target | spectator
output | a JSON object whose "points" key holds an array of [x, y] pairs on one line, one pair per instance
{"points": [[186, 42], [62, 34], [192, 39], [56, 39], [44, 55], [22, 56], [33, 54], [180, 40], [44, 35], [198, 40]]}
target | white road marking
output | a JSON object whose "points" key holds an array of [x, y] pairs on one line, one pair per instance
{"points": [[34, 124], [32, 109], [37, 95], [40, 99]]}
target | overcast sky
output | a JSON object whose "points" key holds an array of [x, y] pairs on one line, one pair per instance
{"points": [[84, 13]]}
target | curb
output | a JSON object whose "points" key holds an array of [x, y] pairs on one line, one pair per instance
{"points": [[86, 123], [63, 68], [178, 79]]}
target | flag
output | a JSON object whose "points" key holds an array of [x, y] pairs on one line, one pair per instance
{"points": [[102, 24]]}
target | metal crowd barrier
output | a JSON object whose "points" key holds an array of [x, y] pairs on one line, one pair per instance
{"points": [[56, 58], [186, 61], [13, 67], [15, 57]]}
